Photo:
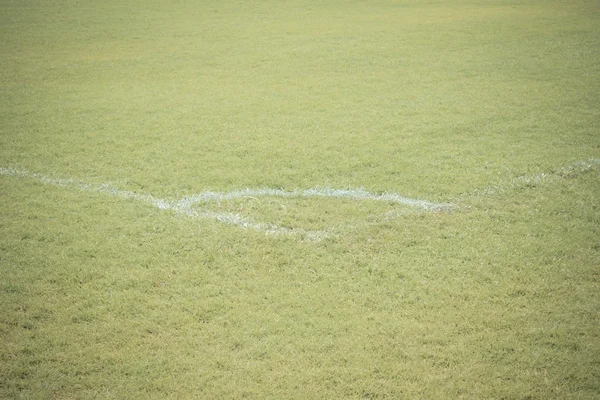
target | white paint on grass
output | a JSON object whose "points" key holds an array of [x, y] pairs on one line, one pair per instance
{"points": [[88, 187], [350, 194], [185, 206], [526, 181], [178, 207], [188, 206]]}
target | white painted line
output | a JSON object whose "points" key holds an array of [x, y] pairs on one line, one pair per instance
{"points": [[541, 178], [185, 206], [87, 187], [350, 194], [161, 204]]}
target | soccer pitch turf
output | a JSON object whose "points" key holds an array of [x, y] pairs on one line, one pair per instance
{"points": [[300, 199]]}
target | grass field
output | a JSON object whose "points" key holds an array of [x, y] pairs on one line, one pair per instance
{"points": [[300, 199]]}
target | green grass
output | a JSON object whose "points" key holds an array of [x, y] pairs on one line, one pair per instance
{"points": [[488, 105]]}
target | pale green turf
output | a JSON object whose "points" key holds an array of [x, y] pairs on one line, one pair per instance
{"points": [[483, 104]]}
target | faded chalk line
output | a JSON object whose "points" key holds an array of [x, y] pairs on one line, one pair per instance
{"points": [[191, 206], [351, 194], [185, 205], [527, 181]]}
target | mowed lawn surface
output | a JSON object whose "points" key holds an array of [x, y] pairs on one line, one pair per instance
{"points": [[491, 106]]}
